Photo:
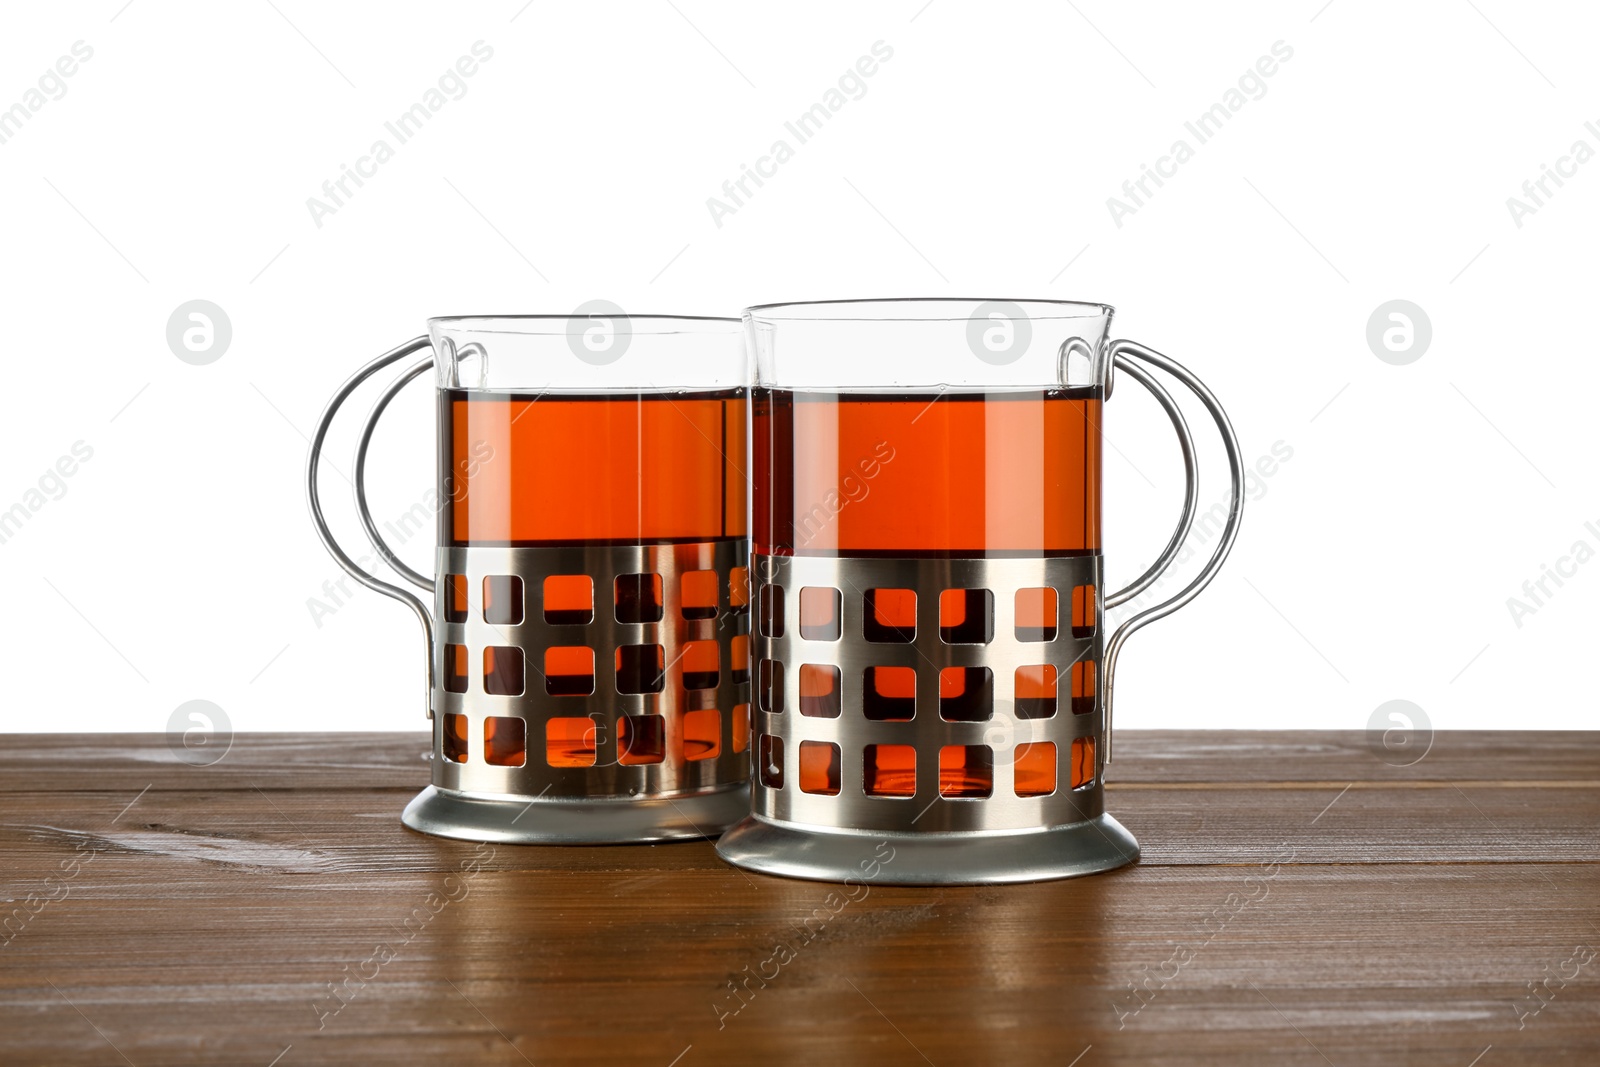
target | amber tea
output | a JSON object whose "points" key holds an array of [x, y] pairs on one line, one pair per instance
{"points": [[950, 474], [612, 468]]}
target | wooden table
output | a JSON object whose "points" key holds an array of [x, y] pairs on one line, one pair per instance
{"points": [[1299, 901]]}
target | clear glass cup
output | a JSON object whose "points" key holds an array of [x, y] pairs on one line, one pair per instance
{"points": [[590, 613], [555, 438], [930, 655]]}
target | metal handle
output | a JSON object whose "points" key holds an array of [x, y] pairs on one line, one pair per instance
{"points": [[1191, 494], [416, 578], [313, 497], [1123, 353]]}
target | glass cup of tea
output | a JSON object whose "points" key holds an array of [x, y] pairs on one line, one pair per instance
{"points": [[588, 644], [933, 676]]}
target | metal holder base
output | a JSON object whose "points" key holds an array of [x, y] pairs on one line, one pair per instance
{"points": [[576, 821], [919, 858]]}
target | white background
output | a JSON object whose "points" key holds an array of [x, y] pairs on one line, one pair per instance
{"points": [[1376, 563]]}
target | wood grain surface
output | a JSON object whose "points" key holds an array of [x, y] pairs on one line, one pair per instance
{"points": [[1300, 901]]}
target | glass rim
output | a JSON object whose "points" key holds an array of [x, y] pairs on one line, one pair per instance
{"points": [[559, 324], [815, 310]]}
